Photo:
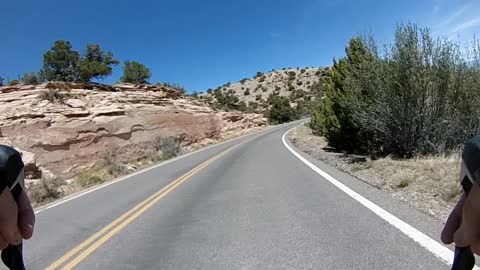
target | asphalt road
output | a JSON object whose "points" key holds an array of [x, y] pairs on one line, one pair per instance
{"points": [[255, 206]]}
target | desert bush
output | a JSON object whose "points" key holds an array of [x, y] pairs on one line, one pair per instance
{"points": [[13, 82], [299, 82], [51, 95], [277, 88], [31, 78], [262, 78], [242, 81], [169, 146], [252, 106], [258, 97], [47, 189], [246, 93], [114, 167], [303, 70], [242, 106]]}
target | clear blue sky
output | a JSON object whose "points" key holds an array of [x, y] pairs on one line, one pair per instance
{"points": [[203, 44]]}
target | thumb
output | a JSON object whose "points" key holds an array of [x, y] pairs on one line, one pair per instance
{"points": [[26, 216], [8, 218]]}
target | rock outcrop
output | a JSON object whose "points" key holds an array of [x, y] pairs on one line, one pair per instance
{"points": [[63, 128]]}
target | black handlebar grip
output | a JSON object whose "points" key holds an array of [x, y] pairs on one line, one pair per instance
{"points": [[464, 259], [11, 176]]}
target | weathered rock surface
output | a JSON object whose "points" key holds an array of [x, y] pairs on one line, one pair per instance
{"points": [[64, 128]]}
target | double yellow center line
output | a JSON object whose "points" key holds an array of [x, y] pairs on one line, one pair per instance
{"points": [[88, 246]]}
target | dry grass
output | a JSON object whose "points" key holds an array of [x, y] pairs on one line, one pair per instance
{"points": [[94, 177], [429, 184], [51, 95], [46, 189]]}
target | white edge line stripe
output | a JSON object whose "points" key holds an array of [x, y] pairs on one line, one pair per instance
{"points": [[440, 251], [62, 201]]}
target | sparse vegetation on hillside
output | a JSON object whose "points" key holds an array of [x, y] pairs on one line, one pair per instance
{"points": [[13, 82], [175, 86], [31, 78], [420, 97], [278, 83]]}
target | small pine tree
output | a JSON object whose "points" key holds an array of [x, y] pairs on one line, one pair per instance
{"points": [[135, 72], [61, 63]]}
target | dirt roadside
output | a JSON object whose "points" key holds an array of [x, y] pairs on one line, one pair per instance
{"points": [[428, 184]]}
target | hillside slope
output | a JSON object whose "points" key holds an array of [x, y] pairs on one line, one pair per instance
{"points": [[295, 84]]}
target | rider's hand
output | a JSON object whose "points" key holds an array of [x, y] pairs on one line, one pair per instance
{"points": [[16, 222], [463, 224]]}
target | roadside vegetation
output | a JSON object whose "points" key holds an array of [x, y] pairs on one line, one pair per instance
{"points": [[428, 183], [419, 97], [398, 119], [50, 188]]}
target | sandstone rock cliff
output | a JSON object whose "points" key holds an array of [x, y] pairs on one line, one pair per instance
{"points": [[62, 128]]}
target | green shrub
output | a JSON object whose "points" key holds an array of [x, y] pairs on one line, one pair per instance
{"points": [[280, 111], [135, 72], [299, 82], [246, 93], [262, 78], [31, 78], [252, 106], [242, 106], [242, 81], [303, 70], [13, 82], [258, 97]]}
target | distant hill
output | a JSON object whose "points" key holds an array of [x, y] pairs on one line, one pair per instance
{"points": [[297, 85]]}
